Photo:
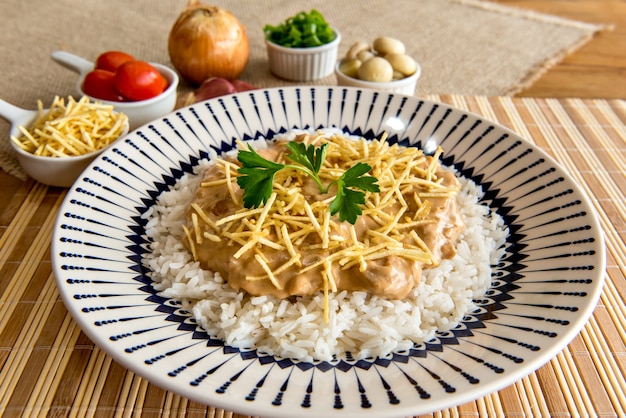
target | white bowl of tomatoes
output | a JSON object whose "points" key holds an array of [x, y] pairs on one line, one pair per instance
{"points": [[143, 91]]}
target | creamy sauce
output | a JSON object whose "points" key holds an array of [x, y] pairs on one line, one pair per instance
{"points": [[392, 277]]}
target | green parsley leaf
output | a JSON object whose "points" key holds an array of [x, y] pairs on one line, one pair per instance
{"points": [[308, 156], [354, 177], [257, 179], [347, 201]]}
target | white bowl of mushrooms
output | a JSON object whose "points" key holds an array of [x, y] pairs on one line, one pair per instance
{"points": [[383, 65]]}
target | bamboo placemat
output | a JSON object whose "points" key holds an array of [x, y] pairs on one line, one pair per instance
{"points": [[50, 368]]}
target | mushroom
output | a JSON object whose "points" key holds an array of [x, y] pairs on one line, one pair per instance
{"points": [[386, 45], [350, 67], [402, 63], [355, 49], [365, 55], [376, 69]]}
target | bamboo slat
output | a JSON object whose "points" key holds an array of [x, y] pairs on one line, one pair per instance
{"points": [[48, 367]]}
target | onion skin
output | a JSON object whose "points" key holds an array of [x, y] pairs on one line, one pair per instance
{"points": [[207, 41], [242, 86], [213, 87], [217, 87]]}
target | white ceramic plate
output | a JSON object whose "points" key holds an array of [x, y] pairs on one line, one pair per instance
{"points": [[543, 292]]}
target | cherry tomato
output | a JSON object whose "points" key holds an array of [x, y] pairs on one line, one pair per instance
{"points": [[138, 80], [111, 60], [101, 85]]}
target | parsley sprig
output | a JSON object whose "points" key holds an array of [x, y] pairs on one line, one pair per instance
{"points": [[257, 178]]}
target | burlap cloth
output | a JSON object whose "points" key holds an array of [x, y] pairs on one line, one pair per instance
{"points": [[465, 47]]}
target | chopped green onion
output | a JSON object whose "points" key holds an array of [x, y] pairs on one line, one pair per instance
{"points": [[304, 30]]}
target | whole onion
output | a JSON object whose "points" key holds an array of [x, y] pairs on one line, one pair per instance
{"points": [[208, 41]]}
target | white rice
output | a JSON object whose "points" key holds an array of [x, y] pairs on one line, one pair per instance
{"points": [[364, 325]]}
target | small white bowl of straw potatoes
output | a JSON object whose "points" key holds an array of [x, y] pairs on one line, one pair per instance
{"points": [[55, 145]]}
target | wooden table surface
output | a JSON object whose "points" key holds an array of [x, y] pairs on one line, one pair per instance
{"points": [[598, 68]]}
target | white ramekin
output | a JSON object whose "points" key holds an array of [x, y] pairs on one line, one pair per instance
{"points": [[404, 86], [303, 64]]}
